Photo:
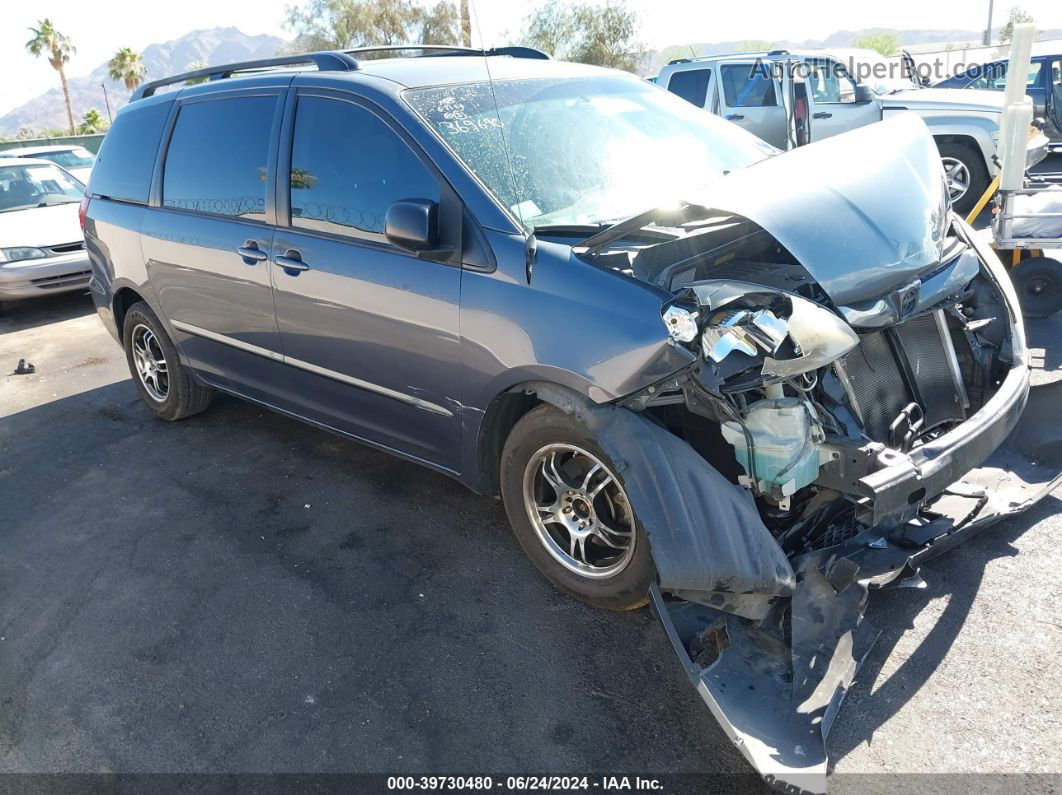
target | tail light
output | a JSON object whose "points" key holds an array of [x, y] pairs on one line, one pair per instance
{"points": [[83, 211]]}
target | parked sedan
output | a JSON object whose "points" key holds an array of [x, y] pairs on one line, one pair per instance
{"points": [[41, 247], [75, 159]]}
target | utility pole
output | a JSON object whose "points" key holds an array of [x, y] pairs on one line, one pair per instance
{"points": [[988, 31], [103, 85]]}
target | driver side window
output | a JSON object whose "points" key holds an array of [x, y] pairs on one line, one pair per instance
{"points": [[828, 83]]}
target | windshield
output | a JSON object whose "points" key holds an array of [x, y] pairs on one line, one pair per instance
{"points": [[584, 151], [22, 187], [883, 75], [72, 158]]}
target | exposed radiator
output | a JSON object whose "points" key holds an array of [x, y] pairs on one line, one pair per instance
{"points": [[913, 362]]}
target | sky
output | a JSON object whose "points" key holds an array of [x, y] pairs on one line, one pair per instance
{"points": [[99, 28]]}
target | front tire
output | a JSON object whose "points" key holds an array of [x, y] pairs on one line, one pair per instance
{"points": [[966, 175], [570, 512], [164, 384]]}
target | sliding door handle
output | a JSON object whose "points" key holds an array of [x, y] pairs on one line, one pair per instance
{"points": [[251, 253], [292, 264]]}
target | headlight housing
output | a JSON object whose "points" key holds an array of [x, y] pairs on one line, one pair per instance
{"points": [[785, 334], [19, 253]]}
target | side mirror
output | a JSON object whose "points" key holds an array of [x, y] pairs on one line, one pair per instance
{"points": [[864, 94], [413, 224]]}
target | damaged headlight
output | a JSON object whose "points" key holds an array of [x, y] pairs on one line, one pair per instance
{"points": [[790, 334]]}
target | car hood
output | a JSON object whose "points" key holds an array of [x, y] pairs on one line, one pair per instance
{"points": [[864, 212], [40, 226], [950, 99]]}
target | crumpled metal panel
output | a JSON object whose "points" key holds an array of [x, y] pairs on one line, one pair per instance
{"points": [[873, 218], [705, 532]]}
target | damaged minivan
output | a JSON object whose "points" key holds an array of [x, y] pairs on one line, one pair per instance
{"points": [[746, 386]]}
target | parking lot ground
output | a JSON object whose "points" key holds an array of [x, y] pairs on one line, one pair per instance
{"points": [[239, 592]]}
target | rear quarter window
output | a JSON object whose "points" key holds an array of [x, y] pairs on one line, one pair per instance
{"points": [[127, 157], [691, 85]]}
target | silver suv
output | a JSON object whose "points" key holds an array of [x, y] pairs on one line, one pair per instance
{"points": [[789, 98]]}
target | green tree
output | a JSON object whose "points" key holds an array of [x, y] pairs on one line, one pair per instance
{"points": [[345, 24], [754, 45], [440, 24], [57, 48], [585, 32], [466, 25], [91, 122], [126, 67], [1016, 16], [880, 41], [192, 67]]}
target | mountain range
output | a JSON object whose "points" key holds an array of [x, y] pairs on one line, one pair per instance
{"points": [[226, 45], [215, 46]]}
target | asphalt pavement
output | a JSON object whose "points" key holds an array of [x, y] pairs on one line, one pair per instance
{"points": [[239, 592]]}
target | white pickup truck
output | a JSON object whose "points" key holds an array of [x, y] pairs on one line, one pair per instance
{"points": [[789, 98]]}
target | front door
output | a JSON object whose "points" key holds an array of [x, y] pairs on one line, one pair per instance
{"points": [[832, 106], [1054, 99], [207, 236], [750, 100], [370, 331]]}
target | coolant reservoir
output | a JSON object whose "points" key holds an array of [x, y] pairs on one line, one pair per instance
{"points": [[786, 436]]}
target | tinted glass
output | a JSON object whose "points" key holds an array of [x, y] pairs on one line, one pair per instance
{"points": [[217, 159], [993, 77], [691, 85], [127, 157], [348, 167], [747, 87]]}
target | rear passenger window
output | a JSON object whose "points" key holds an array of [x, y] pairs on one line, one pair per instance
{"points": [[745, 86], [348, 167], [127, 157], [217, 158], [691, 85]]}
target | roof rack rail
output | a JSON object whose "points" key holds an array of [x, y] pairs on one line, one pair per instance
{"points": [[453, 49], [328, 61], [324, 61]]}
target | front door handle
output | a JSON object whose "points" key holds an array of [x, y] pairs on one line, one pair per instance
{"points": [[822, 115], [734, 117], [251, 253], [291, 262]]}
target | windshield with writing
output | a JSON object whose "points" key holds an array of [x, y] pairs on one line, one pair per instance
{"points": [[584, 151]]}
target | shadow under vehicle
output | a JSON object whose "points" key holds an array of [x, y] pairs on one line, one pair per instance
{"points": [[746, 386]]}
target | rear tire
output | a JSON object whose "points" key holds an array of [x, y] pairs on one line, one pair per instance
{"points": [[612, 567], [164, 384], [1038, 281], [973, 173]]}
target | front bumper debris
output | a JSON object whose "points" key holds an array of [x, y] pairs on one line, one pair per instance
{"points": [[777, 703]]}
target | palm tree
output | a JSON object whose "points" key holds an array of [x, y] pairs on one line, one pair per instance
{"points": [[58, 49], [126, 67], [92, 122]]}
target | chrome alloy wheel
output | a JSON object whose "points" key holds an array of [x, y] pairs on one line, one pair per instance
{"points": [[579, 511], [150, 363], [956, 176]]}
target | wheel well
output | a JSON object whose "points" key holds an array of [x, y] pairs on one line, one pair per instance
{"points": [[502, 414], [961, 140], [124, 299]]}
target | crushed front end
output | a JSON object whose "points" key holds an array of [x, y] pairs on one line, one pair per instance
{"points": [[841, 425]]}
